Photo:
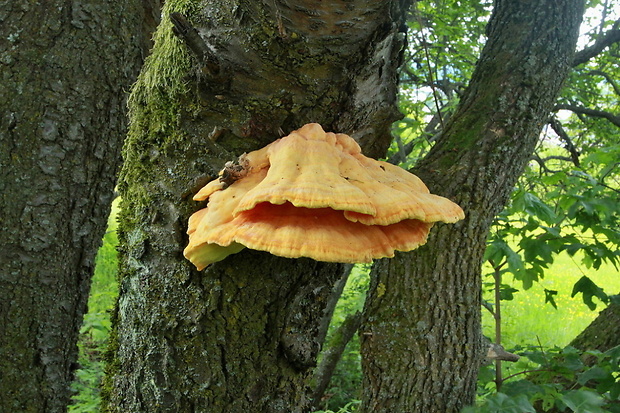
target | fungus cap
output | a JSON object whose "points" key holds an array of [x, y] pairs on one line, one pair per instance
{"points": [[314, 194]]}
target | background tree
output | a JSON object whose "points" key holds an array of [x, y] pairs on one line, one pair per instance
{"points": [[64, 70], [243, 334], [421, 346]]}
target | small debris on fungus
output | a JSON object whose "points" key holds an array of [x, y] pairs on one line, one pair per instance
{"points": [[313, 194]]}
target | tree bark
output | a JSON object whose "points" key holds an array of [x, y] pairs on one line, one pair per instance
{"points": [[242, 334], [603, 333], [65, 67], [420, 339]]}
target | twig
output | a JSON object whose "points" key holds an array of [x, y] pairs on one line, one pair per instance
{"points": [[608, 78], [525, 372], [431, 80], [497, 275], [568, 143]]}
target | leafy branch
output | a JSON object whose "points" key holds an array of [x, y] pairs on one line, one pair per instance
{"points": [[607, 39]]}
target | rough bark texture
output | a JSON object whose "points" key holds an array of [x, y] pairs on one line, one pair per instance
{"points": [[421, 343], [603, 333], [241, 335], [64, 70]]}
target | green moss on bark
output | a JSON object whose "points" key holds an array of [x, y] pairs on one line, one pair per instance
{"points": [[241, 334]]}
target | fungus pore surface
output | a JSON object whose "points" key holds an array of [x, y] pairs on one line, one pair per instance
{"points": [[314, 194]]}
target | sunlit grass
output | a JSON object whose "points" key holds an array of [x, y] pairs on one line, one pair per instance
{"points": [[527, 320]]}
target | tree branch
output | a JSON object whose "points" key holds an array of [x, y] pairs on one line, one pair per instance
{"points": [[432, 132], [590, 112], [568, 143], [556, 157], [606, 40], [328, 313], [541, 163], [325, 370]]}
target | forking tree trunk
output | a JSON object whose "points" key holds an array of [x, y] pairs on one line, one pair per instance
{"points": [[242, 334], [64, 71], [420, 339]]}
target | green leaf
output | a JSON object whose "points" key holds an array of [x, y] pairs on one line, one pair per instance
{"points": [[528, 279], [614, 354], [494, 251], [575, 247], [515, 264], [594, 373], [536, 249], [502, 403], [534, 206], [569, 361], [506, 292], [589, 291], [537, 357], [521, 387], [614, 391], [549, 294], [553, 231], [583, 401]]}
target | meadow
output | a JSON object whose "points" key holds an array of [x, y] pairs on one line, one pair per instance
{"points": [[528, 320]]}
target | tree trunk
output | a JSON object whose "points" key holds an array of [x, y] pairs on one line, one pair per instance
{"points": [[242, 334], [603, 333], [421, 339], [65, 67]]}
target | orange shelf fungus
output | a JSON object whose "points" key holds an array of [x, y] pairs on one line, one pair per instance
{"points": [[313, 194]]}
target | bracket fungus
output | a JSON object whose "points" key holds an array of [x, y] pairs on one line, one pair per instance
{"points": [[313, 194]]}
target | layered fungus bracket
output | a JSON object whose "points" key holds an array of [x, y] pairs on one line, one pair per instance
{"points": [[314, 194]]}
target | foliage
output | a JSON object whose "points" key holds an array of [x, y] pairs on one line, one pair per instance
{"points": [[445, 39], [96, 325], [346, 382], [551, 212], [556, 379], [348, 408], [566, 200], [88, 378]]}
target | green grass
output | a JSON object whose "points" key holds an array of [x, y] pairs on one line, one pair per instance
{"points": [[527, 320]]}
